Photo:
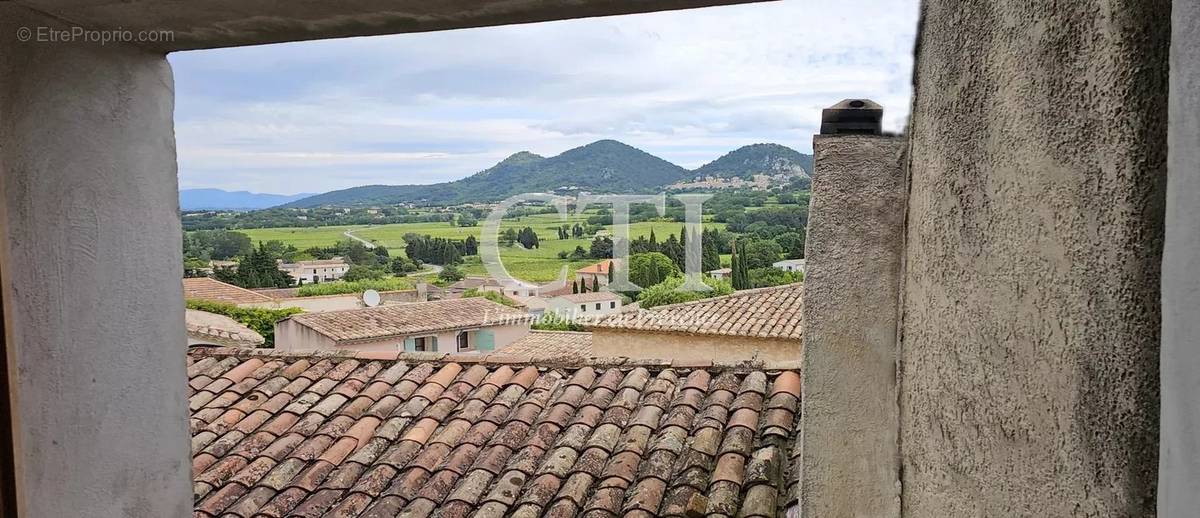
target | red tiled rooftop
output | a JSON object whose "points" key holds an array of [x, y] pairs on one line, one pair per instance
{"points": [[552, 345], [395, 434], [773, 312], [207, 288], [600, 268], [402, 319]]}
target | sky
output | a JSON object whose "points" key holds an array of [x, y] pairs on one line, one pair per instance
{"points": [[687, 86]]}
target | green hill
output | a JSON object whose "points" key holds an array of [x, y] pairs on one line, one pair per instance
{"points": [[605, 166], [747, 161]]}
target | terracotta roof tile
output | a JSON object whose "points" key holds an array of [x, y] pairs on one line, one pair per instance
{"points": [[773, 312], [207, 288], [340, 436], [211, 328], [552, 345], [348, 326]]}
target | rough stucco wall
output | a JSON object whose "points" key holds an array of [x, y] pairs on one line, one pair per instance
{"points": [[611, 343], [1029, 373], [87, 156], [1179, 453], [851, 290]]}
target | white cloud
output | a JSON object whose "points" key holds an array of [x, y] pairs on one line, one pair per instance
{"points": [[420, 108]]}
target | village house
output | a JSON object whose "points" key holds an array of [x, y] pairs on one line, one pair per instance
{"points": [[454, 325], [514, 288], [721, 273], [790, 265], [595, 274], [759, 324], [319, 270], [592, 304]]}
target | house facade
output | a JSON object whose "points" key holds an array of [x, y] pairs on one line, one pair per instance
{"points": [[790, 265], [595, 274], [585, 305], [460, 325], [721, 273], [321, 270]]}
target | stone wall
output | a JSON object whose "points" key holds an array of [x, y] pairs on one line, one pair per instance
{"points": [[1179, 469], [849, 463], [1030, 347]]}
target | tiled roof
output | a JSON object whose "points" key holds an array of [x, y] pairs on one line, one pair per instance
{"points": [[552, 345], [763, 312], [598, 268], [592, 296], [529, 302], [219, 329], [207, 288], [372, 435], [404, 319]]}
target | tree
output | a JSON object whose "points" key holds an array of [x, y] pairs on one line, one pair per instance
{"points": [[765, 277], [493, 296], [194, 267], [651, 268], [575, 286], [739, 277], [792, 244], [602, 248], [579, 254], [450, 273], [577, 231], [562, 254], [362, 273], [507, 237], [710, 254], [674, 249], [667, 292], [401, 266], [471, 246], [256, 270], [612, 267], [761, 253], [528, 238]]}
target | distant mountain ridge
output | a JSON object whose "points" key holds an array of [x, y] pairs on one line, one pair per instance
{"points": [[747, 161], [218, 199], [606, 166]]}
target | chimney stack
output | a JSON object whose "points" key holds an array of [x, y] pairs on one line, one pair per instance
{"points": [[852, 117]]}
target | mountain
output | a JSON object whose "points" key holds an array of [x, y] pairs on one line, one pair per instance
{"points": [[200, 199], [747, 161], [604, 166]]}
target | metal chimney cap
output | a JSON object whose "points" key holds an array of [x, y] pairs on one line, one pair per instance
{"points": [[853, 117]]}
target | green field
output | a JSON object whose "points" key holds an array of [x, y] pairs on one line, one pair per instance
{"points": [[538, 265]]}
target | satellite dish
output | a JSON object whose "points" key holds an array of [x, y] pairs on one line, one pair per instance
{"points": [[371, 298]]}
